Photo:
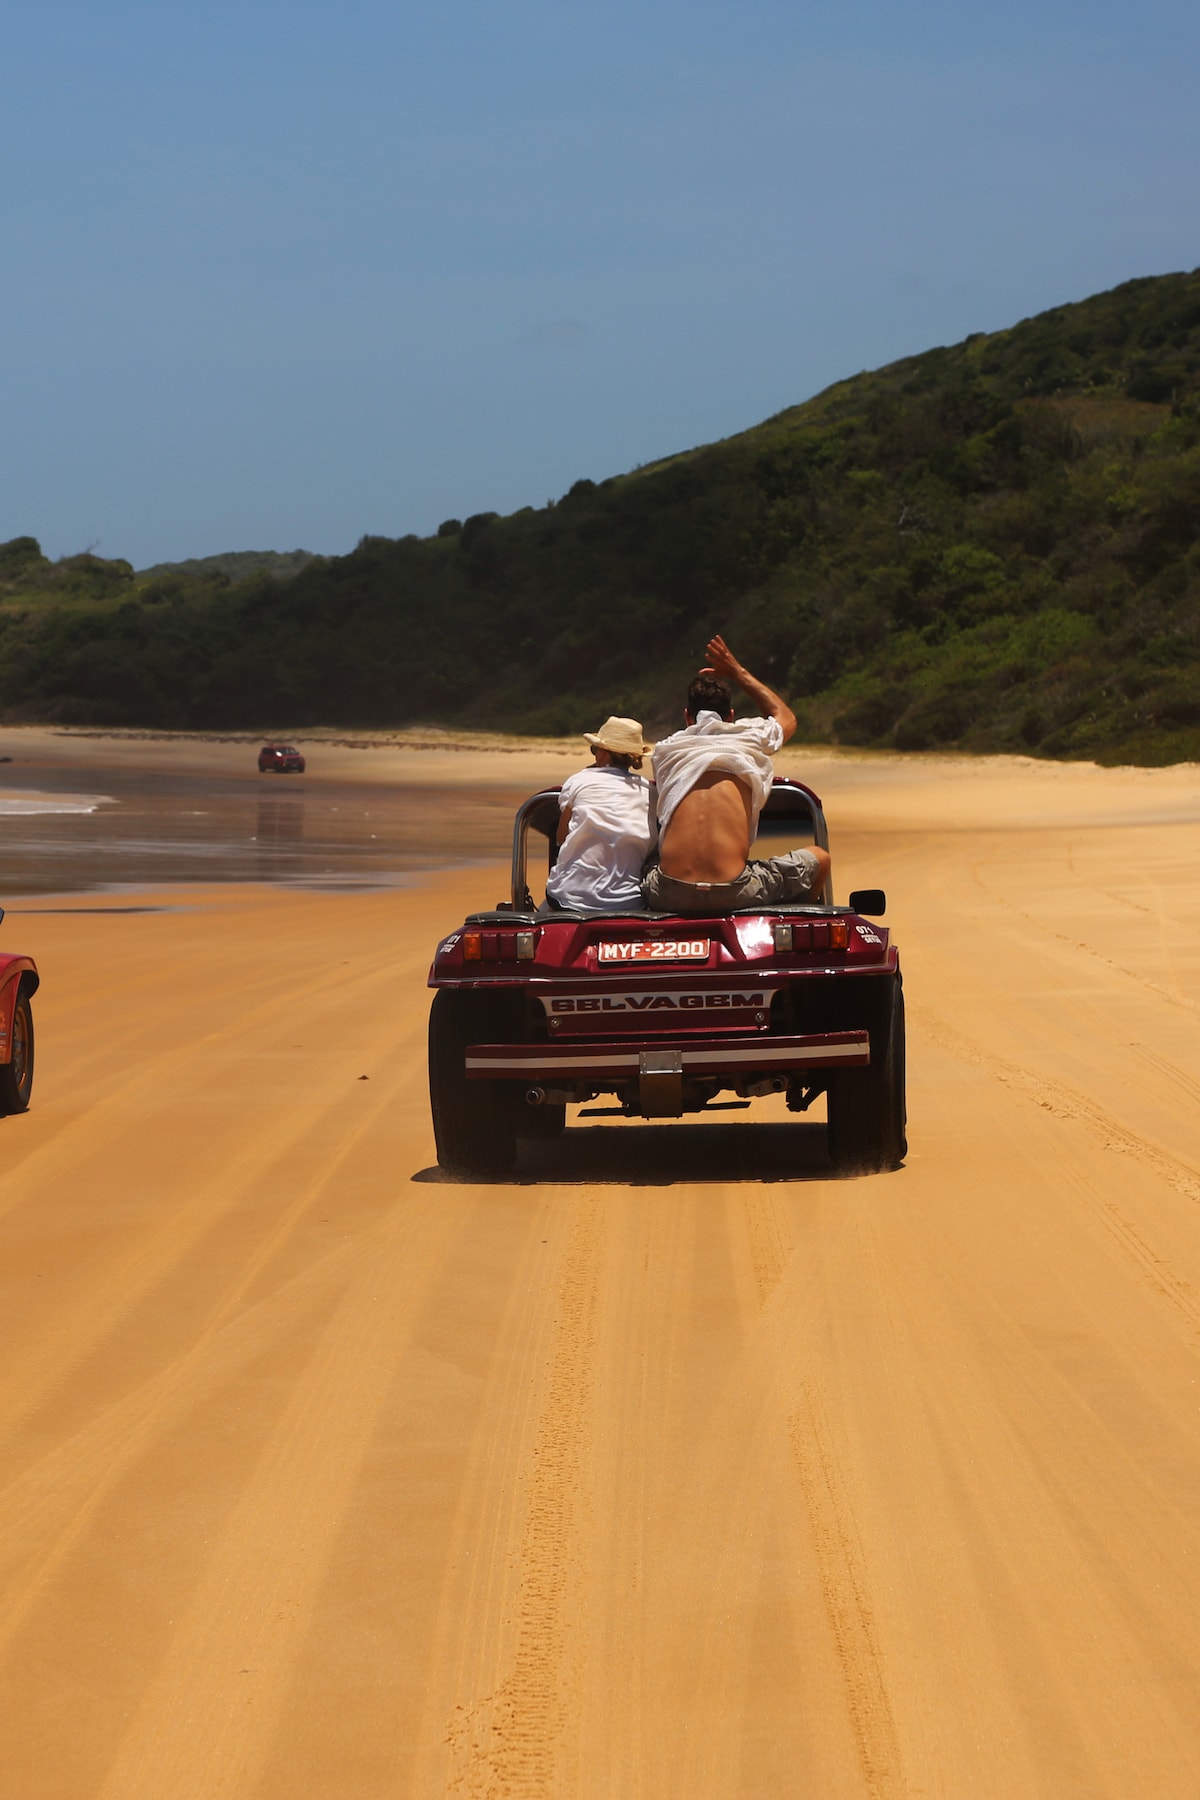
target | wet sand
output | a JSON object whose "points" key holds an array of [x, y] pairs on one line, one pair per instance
{"points": [[671, 1467], [86, 811]]}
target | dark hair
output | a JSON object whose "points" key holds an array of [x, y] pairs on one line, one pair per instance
{"points": [[620, 758], [707, 694]]}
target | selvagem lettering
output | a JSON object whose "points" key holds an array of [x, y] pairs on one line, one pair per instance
{"points": [[589, 1003]]}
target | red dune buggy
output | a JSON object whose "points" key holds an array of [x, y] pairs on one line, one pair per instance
{"points": [[537, 1010]]}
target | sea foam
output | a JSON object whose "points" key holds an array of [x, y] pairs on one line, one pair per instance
{"points": [[29, 806]]}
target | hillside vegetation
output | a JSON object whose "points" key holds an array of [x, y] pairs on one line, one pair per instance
{"points": [[991, 546], [237, 564]]}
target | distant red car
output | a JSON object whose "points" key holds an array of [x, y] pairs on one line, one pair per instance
{"points": [[280, 759], [18, 984]]}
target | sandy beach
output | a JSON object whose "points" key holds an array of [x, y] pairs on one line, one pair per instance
{"points": [[327, 1479]]}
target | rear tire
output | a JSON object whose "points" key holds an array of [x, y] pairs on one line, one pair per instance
{"points": [[867, 1108], [16, 1077], [474, 1122]]}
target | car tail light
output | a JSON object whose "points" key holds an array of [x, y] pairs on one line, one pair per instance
{"points": [[499, 946], [810, 934]]}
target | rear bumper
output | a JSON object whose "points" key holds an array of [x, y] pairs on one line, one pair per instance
{"points": [[621, 1060]]}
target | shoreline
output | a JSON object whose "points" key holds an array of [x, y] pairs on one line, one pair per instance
{"points": [[91, 812], [453, 740]]}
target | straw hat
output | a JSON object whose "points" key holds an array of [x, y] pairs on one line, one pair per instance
{"points": [[624, 736]]}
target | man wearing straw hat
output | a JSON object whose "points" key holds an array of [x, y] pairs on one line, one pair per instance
{"points": [[606, 825]]}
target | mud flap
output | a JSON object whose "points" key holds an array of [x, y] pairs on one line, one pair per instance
{"points": [[660, 1084]]}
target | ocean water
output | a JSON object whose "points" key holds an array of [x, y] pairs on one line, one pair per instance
{"points": [[146, 828], [149, 829], [43, 805]]}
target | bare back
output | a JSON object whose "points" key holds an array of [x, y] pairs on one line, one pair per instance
{"points": [[708, 837], [709, 810]]}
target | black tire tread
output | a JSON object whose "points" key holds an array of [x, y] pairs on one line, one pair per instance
{"points": [[474, 1122], [866, 1107], [15, 1095]]}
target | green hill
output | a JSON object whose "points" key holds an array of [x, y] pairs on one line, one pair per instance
{"points": [[992, 546], [237, 564]]}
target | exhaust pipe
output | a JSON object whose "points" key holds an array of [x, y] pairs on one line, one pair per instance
{"points": [[770, 1084]]}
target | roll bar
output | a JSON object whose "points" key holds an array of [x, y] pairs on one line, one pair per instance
{"points": [[788, 800], [539, 813]]}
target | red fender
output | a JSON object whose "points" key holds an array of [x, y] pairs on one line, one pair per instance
{"points": [[14, 971]]}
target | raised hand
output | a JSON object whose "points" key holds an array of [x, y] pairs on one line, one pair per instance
{"points": [[721, 661], [724, 664]]}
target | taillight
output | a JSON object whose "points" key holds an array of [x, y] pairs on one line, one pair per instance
{"points": [[810, 934], [499, 946]]}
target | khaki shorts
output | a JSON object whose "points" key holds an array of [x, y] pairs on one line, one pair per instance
{"points": [[781, 878]]}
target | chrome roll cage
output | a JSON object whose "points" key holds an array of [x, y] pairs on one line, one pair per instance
{"points": [[788, 802]]}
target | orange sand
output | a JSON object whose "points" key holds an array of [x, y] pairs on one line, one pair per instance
{"points": [[633, 1477]]}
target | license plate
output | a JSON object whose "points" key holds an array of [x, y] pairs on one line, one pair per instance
{"points": [[655, 950]]}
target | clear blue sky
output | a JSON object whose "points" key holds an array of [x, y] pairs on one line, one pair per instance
{"points": [[276, 275]]}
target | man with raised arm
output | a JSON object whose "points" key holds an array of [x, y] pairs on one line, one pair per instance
{"points": [[713, 778]]}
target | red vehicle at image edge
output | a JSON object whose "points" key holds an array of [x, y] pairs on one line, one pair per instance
{"points": [[534, 1012], [18, 984]]}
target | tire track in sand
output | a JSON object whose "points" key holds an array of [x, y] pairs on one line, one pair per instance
{"points": [[206, 1720], [517, 1740], [126, 1093], [201, 1202], [847, 1599], [1063, 1102], [63, 1490], [768, 1240]]}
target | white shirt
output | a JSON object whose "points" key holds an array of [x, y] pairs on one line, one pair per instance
{"points": [[611, 832], [741, 747]]}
